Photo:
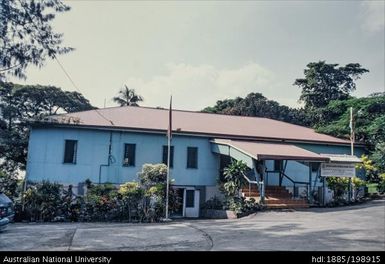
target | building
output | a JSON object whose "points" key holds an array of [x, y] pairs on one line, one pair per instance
{"points": [[111, 145]]}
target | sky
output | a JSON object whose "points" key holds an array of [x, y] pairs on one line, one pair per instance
{"points": [[204, 51]]}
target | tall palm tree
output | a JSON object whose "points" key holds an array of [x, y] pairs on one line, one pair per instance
{"points": [[127, 97]]}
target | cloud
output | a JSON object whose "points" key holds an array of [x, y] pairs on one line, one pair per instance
{"points": [[373, 15], [195, 87]]}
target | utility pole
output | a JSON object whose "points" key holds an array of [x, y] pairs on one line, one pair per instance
{"points": [[351, 125]]}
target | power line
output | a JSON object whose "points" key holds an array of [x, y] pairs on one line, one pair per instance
{"points": [[77, 88], [64, 70]]}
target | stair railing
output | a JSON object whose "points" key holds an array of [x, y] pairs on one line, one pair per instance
{"points": [[250, 182], [294, 182], [281, 173]]}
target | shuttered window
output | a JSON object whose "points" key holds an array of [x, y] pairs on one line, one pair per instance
{"points": [[192, 157], [129, 155], [70, 150], [165, 152]]}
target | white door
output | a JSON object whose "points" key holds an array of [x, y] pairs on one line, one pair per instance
{"points": [[191, 202]]}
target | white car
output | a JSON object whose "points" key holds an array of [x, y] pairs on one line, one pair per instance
{"points": [[6, 211]]}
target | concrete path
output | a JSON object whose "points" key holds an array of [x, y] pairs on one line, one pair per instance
{"points": [[359, 227]]}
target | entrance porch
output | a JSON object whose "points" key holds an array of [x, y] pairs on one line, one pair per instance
{"points": [[280, 175]]}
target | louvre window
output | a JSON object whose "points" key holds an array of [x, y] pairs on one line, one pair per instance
{"points": [[192, 157], [129, 155], [165, 152], [70, 150]]}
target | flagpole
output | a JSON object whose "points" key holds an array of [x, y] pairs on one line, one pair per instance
{"points": [[351, 132], [351, 189], [169, 131], [168, 172]]}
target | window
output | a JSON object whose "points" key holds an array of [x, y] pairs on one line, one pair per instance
{"points": [[70, 151], [164, 160], [278, 165], [190, 198], [129, 155], [192, 157]]}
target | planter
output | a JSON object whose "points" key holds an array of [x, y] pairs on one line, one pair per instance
{"points": [[218, 214]]}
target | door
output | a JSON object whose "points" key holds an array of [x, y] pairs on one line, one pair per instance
{"points": [[191, 202]]}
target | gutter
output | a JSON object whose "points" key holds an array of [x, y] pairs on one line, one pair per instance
{"points": [[109, 159]]}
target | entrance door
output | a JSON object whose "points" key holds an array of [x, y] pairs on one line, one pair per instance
{"points": [[191, 202]]}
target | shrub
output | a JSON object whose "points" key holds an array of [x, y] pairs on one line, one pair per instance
{"points": [[213, 203], [104, 202], [42, 201], [339, 185], [381, 184], [153, 179], [152, 174], [131, 195], [233, 181]]}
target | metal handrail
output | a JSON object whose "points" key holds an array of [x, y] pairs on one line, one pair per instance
{"points": [[290, 179], [250, 182]]}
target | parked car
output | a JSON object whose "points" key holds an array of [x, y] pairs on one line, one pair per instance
{"points": [[6, 207], [3, 223]]}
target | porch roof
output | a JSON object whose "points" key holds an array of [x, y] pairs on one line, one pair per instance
{"points": [[343, 158], [271, 151]]}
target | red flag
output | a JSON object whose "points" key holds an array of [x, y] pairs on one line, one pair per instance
{"points": [[169, 130]]}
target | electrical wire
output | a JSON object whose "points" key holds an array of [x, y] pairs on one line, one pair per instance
{"points": [[77, 88], [64, 70]]}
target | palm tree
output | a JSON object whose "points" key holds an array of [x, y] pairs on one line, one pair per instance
{"points": [[127, 97]]}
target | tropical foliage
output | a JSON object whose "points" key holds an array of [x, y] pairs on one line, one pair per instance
{"points": [[127, 97], [327, 82], [27, 36], [231, 186], [142, 201], [255, 104]]}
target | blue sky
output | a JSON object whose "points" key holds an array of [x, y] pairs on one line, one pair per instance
{"points": [[202, 52]]}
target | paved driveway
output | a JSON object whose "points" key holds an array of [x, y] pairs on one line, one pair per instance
{"points": [[359, 227]]}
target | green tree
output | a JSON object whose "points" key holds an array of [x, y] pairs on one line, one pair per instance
{"points": [[255, 104], [8, 183], [369, 119], [127, 97], [22, 104], [378, 156], [27, 36], [326, 82]]}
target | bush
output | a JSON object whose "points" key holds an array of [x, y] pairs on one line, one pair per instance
{"points": [[339, 185], [213, 203], [381, 184], [42, 201], [144, 201]]}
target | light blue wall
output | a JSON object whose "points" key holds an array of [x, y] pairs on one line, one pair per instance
{"points": [[46, 151]]}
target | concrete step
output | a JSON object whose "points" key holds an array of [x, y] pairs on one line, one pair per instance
{"points": [[275, 188], [285, 201], [282, 196], [250, 194], [286, 206]]}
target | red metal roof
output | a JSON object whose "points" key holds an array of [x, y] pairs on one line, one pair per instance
{"points": [[271, 151], [216, 125]]}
